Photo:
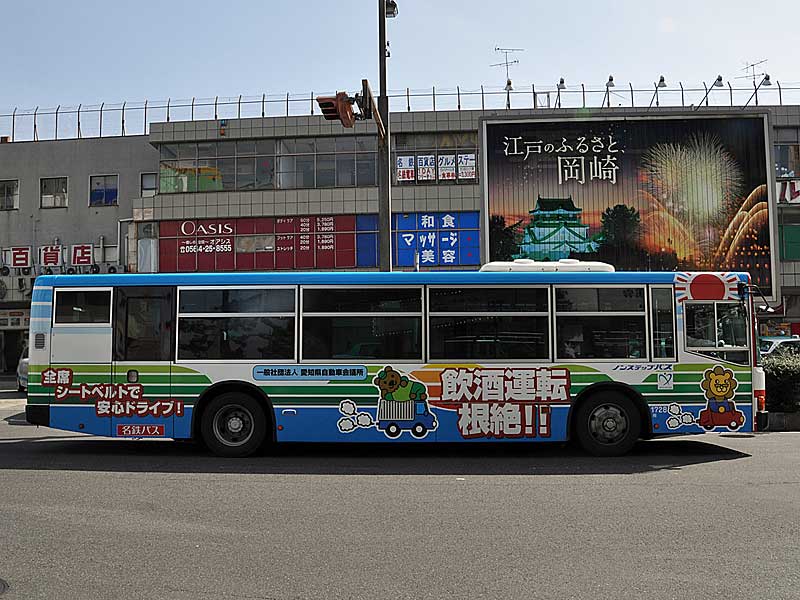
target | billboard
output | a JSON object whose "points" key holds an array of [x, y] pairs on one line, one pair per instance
{"points": [[686, 193], [435, 239]]}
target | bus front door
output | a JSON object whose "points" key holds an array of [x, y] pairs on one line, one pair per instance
{"points": [[144, 352]]}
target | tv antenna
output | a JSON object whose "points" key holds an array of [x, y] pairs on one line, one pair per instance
{"points": [[751, 68], [507, 63]]}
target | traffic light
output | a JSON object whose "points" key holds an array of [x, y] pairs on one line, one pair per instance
{"points": [[337, 108]]}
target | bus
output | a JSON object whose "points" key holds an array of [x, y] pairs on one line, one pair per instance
{"points": [[516, 352]]}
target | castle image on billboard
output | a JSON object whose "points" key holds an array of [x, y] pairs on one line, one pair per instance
{"points": [[662, 193], [555, 231]]}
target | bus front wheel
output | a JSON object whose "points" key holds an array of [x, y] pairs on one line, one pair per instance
{"points": [[607, 424], [234, 425]]}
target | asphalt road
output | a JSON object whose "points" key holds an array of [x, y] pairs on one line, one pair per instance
{"points": [[716, 516]]}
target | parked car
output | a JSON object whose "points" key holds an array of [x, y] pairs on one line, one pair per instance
{"points": [[22, 372], [779, 343]]}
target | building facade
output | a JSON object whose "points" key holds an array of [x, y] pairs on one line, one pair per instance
{"points": [[294, 193]]}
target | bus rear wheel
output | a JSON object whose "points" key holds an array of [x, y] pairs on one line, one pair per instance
{"points": [[234, 425], [607, 424]]}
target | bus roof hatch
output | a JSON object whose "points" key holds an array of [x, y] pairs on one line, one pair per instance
{"points": [[565, 265]]}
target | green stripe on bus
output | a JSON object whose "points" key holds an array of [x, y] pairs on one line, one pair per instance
{"points": [[698, 399], [95, 368], [698, 377], [683, 387], [701, 367], [321, 390], [317, 401]]}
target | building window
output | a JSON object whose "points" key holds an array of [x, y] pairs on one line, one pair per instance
{"points": [[9, 194], [787, 160], [53, 192], [427, 159], [790, 241], [148, 185], [103, 190], [288, 163]]}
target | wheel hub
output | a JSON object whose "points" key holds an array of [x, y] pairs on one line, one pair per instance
{"points": [[233, 425], [608, 424]]}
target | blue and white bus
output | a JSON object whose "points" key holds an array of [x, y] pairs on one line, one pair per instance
{"points": [[524, 352]]}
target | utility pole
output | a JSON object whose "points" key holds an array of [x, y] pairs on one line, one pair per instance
{"points": [[384, 151], [340, 108]]}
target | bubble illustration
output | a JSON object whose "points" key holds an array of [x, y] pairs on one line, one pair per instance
{"points": [[348, 407], [346, 424], [364, 420], [678, 417]]}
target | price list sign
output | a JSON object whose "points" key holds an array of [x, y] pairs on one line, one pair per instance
{"points": [[269, 243], [315, 242]]}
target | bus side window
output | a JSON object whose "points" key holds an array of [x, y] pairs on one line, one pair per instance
{"points": [[600, 322], [663, 322]]}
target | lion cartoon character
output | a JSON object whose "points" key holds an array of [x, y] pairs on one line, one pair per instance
{"points": [[719, 386]]}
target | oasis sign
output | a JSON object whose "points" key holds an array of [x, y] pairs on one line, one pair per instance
{"points": [[193, 228]]}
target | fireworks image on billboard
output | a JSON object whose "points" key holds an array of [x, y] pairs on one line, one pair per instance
{"points": [[676, 194]]}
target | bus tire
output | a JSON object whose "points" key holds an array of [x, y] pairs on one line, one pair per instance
{"points": [[234, 425], [607, 424]]}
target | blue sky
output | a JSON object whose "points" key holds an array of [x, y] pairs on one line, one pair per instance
{"points": [[91, 51]]}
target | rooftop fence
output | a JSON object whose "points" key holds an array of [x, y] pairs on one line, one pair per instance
{"points": [[134, 118]]}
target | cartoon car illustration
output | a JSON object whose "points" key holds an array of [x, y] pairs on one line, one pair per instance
{"points": [[403, 405], [720, 414]]}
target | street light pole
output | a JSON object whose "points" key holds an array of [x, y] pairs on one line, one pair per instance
{"points": [[384, 153]]}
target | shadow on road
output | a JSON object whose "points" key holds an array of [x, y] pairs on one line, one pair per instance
{"points": [[91, 454]]}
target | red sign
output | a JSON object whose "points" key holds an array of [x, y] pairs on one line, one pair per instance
{"points": [[21, 257], [789, 191], [265, 243], [81, 255], [50, 256], [140, 430], [192, 228]]}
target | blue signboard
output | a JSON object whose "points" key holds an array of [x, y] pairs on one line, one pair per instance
{"points": [[439, 239]]}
